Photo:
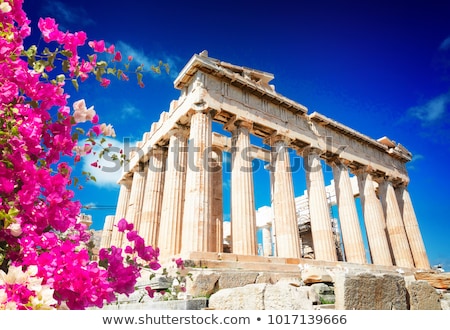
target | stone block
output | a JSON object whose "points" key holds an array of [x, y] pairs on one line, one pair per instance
{"points": [[422, 296], [203, 284], [367, 291], [316, 275], [236, 279], [438, 281], [286, 296], [249, 297]]}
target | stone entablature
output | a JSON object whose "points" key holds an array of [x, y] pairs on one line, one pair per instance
{"points": [[179, 207]]}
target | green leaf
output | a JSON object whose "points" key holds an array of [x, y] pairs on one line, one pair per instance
{"points": [[60, 78], [75, 84]]}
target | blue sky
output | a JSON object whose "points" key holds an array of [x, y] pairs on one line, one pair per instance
{"points": [[379, 67]]}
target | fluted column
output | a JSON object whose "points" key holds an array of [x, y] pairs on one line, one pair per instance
{"points": [[412, 228], [121, 211], [348, 216], [169, 240], [394, 225], [285, 215], [267, 240], [197, 207], [374, 220], [108, 226], [243, 214], [216, 242], [153, 195], [321, 229], [134, 209]]}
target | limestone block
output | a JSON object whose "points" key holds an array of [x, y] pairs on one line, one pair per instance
{"points": [[249, 297], [236, 279], [438, 281], [316, 275], [367, 291], [422, 296], [286, 296], [445, 304], [203, 284]]}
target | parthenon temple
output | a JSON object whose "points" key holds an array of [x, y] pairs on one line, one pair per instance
{"points": [[172, 190]]}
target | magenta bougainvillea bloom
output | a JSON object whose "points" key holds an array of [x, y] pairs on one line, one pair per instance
{"points": [[44, 261]]}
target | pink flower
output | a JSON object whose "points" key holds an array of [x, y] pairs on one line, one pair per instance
{"points": [[97, 46], [49, 29], [130, 58], [82, 114], [123, 225], [150, 291], [118, 57], [107, 130], [105, 82]]}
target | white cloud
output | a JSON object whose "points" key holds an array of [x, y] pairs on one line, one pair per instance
{"points": [[129, 110], [108, 171], [432, 110], [65, 14], [445, 44]]}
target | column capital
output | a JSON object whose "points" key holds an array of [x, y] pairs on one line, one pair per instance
{"points": [[275, 138], [126, 179], [236, 122], [178, 130]]}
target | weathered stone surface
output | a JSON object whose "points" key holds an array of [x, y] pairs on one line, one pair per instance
{"points": [[422, 296], [203, 284], [367, 291], [236, 279], [249, 297], [191, 304], [280, 296], [285, 296], [316, 275], [438, 281]]}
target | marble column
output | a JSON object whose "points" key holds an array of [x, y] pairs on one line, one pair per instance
{"points": [[348, 216], [394, 225], [153, 195], [285, 215], [197, 206], [108, 226], [134, 209], [169, 240], [121, 211], [216, 242], [412, 228], [243, 214], [321, 228], [267, 240], [374, 220]]}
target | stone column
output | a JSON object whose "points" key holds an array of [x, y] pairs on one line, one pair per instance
{"points": [[197, 207], [394, 225], [285, 215], [216, 243], [121, 211], [267, 240], [173, 198], [134, 209], [243, 214], [321, 229], [412, 228], [108, 226], [348, 216], [373, 220], [153, 195]]}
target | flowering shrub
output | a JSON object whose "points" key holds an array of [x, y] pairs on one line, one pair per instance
{"points": [[43, 259]]}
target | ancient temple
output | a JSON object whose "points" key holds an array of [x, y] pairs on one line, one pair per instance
{"points": [[172, 191]]}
